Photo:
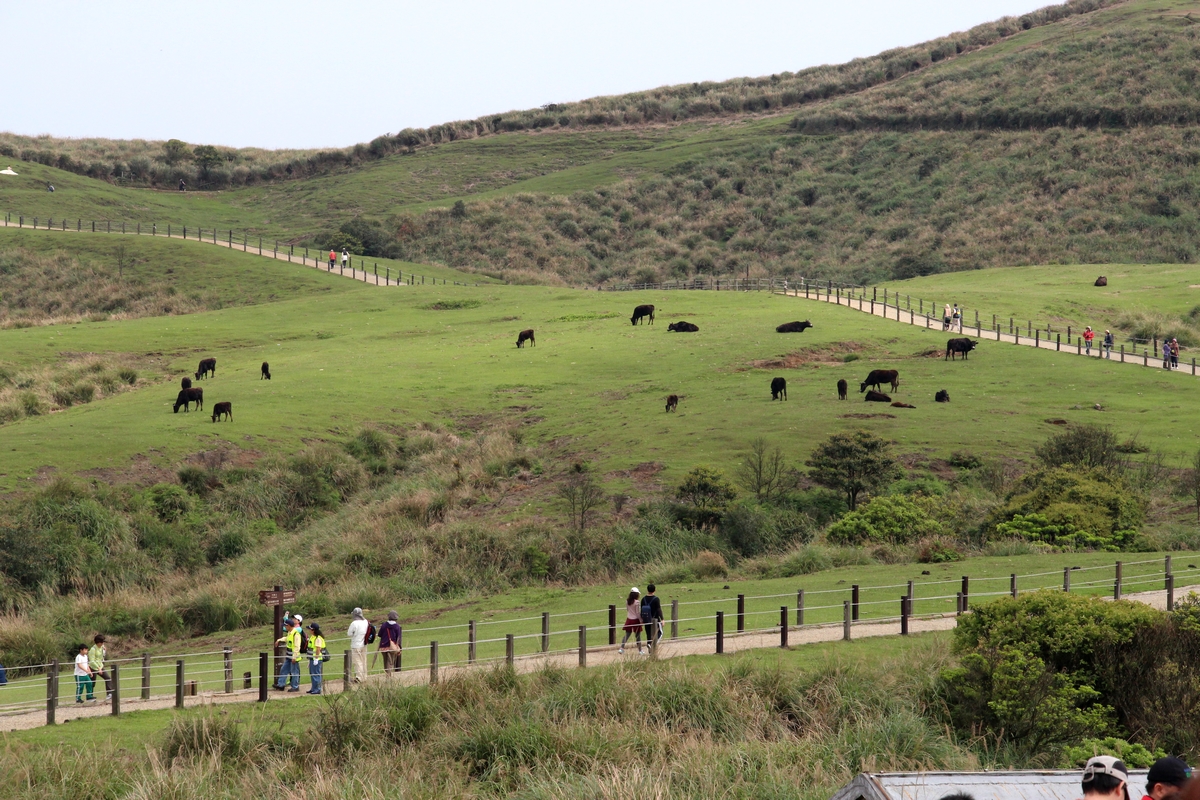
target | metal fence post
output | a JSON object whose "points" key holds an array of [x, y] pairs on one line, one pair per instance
{"points": [[583, 645], [846, 620], [720, 632], [433, 663], [179, 683], [116, 690], [145, 676]]}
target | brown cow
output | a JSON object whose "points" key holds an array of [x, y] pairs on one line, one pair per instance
{"points": [[878, 377], [1101, 281], [642, 311], [187, 396], [526, 336], [225, 408], [842, 388], [208, 366], [672, 401], [877, 397]]}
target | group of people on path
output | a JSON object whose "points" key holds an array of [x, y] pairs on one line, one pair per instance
{"points": [[311, 647], [642, 613], [89, 665], [333, 258]]}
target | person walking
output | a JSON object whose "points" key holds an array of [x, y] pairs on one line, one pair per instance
{"points": [[332, 259], [96, 656], [182, 185], [316, 667], [83, 675], [633, 620], [290, 671], [358, 644], [1174, 354], [1166, 778], [652, 616], [1108, 344], [389, 644], [956, 319], [946, 317], [1088, 335], [1166, 353], [345, 258]]}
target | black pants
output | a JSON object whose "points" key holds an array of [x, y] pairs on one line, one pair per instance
{"points": [[653, 630]]}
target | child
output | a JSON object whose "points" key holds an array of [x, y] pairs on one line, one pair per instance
{"points": [[83, 675], [633, 620]]}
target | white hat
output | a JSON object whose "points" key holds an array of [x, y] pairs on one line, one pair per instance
{"points": [[634, 590], [298, 618]]}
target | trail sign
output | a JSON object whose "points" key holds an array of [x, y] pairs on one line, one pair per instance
{"points": [[278, 597]]}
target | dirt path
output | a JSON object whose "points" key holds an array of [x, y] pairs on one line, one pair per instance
{"points": [[596, 656]]}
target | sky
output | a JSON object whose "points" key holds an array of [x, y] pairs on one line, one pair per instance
{"points": [[306, 74]]}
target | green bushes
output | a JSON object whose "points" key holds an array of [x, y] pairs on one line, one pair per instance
{"points": [[1074, 508], [895, 519]]}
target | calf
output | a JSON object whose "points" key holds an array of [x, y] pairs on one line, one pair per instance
{"points": [[187, 396], [683, 327], [225, 409], [186, 383], [878, 377], [526, 336], [672, 401], [902, 405], [266, 372], [1101, 281], [842, 388], [208, 366], [778, 388], [793, 327], [942, 396], [963, 346], [877, 397], [642, 311]]}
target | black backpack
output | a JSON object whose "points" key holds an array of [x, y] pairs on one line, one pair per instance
{"points": [[370, 636], [647, 614], [303, 642]]}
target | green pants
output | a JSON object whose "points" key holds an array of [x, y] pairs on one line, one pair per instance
{"points": [[83, 682]]}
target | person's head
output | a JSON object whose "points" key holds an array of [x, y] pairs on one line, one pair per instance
{"points": [[356, 613], [1167, 777], [297, 621], [393, 616], [83, 648], [1107, 331], [634, 594], [649, 588], [99, 638], [315, 628], [958, 796], [1105, 777], [1088, 328]]}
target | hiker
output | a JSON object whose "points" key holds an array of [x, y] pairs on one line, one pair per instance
{"points": [[389, 643], [317, 664], [1105, 778], [49, 187], [182, 185], [946, 317], [955, 319], [96, 658], [633, 620], [83, 675], [1108, 344], [1166, 778], [332, 259], [1174, 354], [358, 644], [290, 671], [652, 616], [1088, 335], [345, 257], [1166, 350]]}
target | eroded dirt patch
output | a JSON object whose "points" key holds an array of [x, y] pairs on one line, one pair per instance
{"points": [[868, 416], [834, 353]]}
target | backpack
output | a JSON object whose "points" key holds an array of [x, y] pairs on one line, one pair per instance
{"points": [[303, 642], [370, 637], [646, 613]]}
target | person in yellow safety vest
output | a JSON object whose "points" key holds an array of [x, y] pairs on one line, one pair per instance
{"points": [[291, 661], [316, 665]]}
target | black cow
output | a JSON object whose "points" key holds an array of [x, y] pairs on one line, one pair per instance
{"points": [[187, 396], [963, 346], [225, 408], [778, 388], [266, 372], [672, 401], [1101, 281], [186, 383], [526, 336], [877, 397], [878, 377], [942, 396], [794, 327], [683, 327], [208, 366], [903, 405], [642, 311], [842, 388]]}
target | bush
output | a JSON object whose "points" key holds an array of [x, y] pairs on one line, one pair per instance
{"points": [[938, 551], [708, 564], [891, 519], [130, 376], [1087, 446], [705, 488], [753, 529], [228, 544], [169, 502]]}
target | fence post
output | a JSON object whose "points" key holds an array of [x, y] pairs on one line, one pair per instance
{"points": [[264, 667], [1167, 565], [51, 691], [1170, 593], [904, 615], [347, 683], [910, 589], [583, 645], [1058, 341], [1066, 579], [958, 603], [741, 612], [783, 626], [674, 619], [854, 602], [545, 631], [471, 642], [1117, 583], [145, 676], [799, 608], [228, 658], [433, 663], [1012, 584], [720, 632], [509, 648], [612, 624], [846, 620], [116, 690], [179, 683], [1037, 338], [966, 592]]}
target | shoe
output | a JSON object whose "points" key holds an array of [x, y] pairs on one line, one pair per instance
{"points": [[277, 688], [80, 702], [108, 697], [289, 691], [621, 650], [641, 652]]}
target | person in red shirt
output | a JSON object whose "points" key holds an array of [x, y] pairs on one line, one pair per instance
{"points": [[1166, 778], [1088, 335], [332, 259]]}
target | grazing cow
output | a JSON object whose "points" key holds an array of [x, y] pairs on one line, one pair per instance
{"points": [[208, 366], [526, 336], [642, 311], [878, 377], [266, 372], [902, 405], [186, 383], [794, 327], [1101, 281], [877, 397], [842, 388], [963, 346], [942, 396], [683, 327], [672, 401], [225, 408], [187, 396], [778, 388]]}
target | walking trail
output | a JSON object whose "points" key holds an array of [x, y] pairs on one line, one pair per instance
{"points": [[596, 656]]}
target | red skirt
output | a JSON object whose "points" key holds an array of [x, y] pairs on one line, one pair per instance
{"points": [[633, 625]]}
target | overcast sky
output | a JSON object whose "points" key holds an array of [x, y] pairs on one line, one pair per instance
{"points": [[308, 74]]}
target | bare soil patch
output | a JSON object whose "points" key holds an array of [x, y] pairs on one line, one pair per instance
{"points": [[822, 354], [868, 416]]}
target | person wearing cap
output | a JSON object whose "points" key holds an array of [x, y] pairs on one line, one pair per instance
{"points": [[633, 620], [316, 643], [358, 644], [96, 656], [1088, 336], [1105, 778], [1108, 344], [290, 671], [1174, 353], [1166, 778], [389, 643]]}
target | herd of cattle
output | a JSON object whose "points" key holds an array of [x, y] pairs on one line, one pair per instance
{"points": [[189, 394], [872, 387]]}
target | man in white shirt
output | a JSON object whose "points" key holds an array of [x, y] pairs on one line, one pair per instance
{"points": [[358, 645]]}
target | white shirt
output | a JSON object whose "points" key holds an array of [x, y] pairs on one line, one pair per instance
{"points": [[81, 665], [357, 633]]}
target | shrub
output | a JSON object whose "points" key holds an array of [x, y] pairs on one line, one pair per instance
{"points": [[895, 519], [130, 376], [753, 529], [169, 502], [1084, 446], [708, 564], [228, 544], [705, 488], [205, 736], [852, 463], [1073, 508], [938, 551]]}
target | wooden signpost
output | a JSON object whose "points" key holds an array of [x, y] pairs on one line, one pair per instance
{"points": [[278, 597]]}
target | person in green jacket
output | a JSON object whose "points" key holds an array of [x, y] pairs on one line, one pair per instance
{"points": [[96, 658]]}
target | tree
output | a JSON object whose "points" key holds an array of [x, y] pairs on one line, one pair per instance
{"points": [[582, 495], [1083, 446], [175, 151], [706, 488], [853, 463], [122, 258], [207, 157], [762, 470]]}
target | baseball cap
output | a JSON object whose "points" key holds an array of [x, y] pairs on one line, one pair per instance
{"points": [[634, 590], [298, 618], [1169, 770], [1106, 765]]}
